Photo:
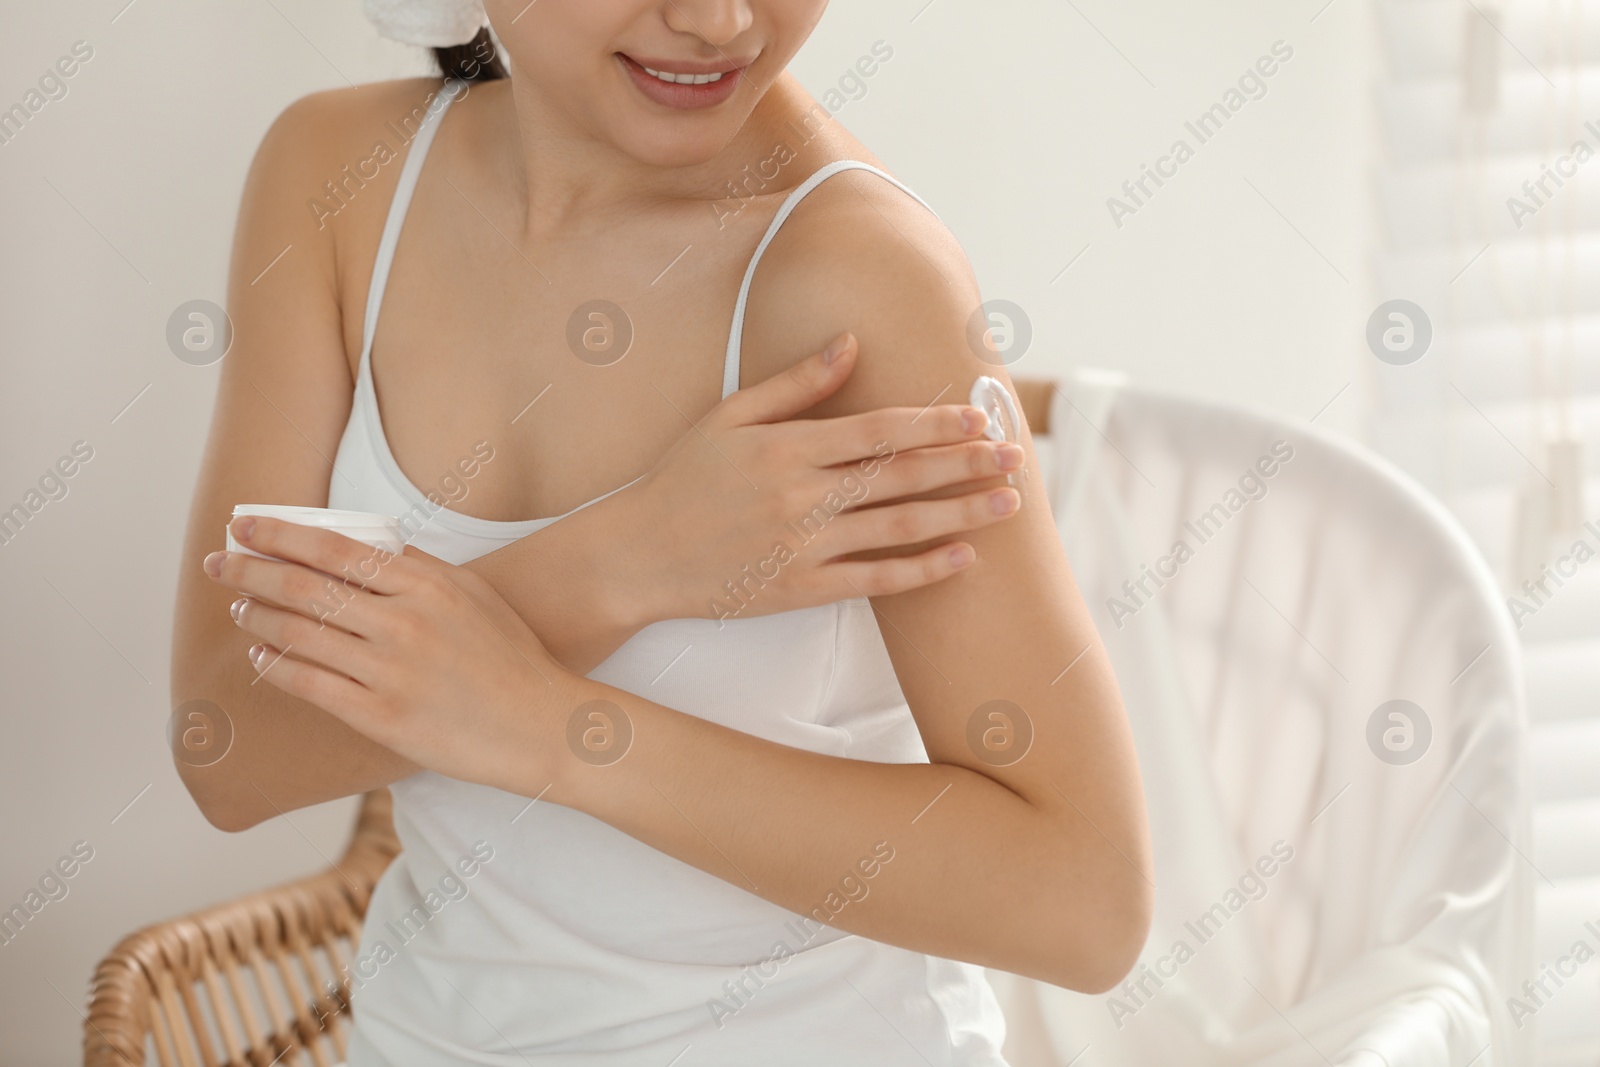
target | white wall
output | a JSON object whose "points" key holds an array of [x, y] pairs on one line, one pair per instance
{"points": [[1016, 120]]}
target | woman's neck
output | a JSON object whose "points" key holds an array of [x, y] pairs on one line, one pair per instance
{"points": [[565, 177]]}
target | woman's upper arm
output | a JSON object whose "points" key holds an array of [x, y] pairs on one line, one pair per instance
{"points": [[873, 261], [282, 401]]}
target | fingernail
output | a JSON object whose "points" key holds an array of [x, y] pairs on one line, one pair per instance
{"points": [[213, 564], [835, 348], [238, 608], [256, 652], [244, 528], [973, 420], [1008, 457], [1004, 501], [961, 555]]}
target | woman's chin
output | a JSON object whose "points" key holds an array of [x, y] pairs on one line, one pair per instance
{"points": [[670, 146]]}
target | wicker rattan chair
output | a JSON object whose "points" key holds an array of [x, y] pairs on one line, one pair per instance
{"points": [[251, 983]]}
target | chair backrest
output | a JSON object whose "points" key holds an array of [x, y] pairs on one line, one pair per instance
{"points": [[255, 981], [1267, 591]]}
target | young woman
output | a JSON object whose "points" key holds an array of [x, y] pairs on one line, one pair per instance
{"points": [[787, 718]]}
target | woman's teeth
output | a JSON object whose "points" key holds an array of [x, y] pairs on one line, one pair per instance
{"points": [[683, 79]]}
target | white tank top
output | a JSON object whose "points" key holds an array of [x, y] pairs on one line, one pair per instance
{"points": [[577, 944]]}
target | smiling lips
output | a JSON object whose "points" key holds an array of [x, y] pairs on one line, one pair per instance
{"points": [[684, 86]]}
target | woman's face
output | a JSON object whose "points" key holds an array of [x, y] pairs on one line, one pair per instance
{"points": [[593, 61]]}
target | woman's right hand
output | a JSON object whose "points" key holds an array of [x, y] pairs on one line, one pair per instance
{"points": [[756, 511]]}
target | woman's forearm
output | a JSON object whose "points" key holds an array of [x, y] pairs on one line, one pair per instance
{"points": [[663, 547], [284, 753], [974, 871], [248, 751], [569, 583]]}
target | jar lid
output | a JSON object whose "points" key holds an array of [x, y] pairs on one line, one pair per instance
{"points": [[319, 517]]}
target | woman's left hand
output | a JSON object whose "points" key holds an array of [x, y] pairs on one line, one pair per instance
{"points": [[423, 657]]}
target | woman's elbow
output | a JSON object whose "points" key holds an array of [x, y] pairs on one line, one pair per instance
{"points": [[1122, 938], [200, 736], [1094, 949], [218, 799]]}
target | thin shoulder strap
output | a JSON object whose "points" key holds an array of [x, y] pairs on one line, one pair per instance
{"points": [[407, 184], [730, 364]]}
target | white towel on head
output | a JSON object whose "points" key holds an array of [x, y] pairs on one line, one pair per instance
{"points": [[430, 23]]}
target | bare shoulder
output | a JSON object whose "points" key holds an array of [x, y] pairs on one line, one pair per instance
{"points": [[314, 201], [327, 126], [295, 277], [859, 254], [326, 147]]}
